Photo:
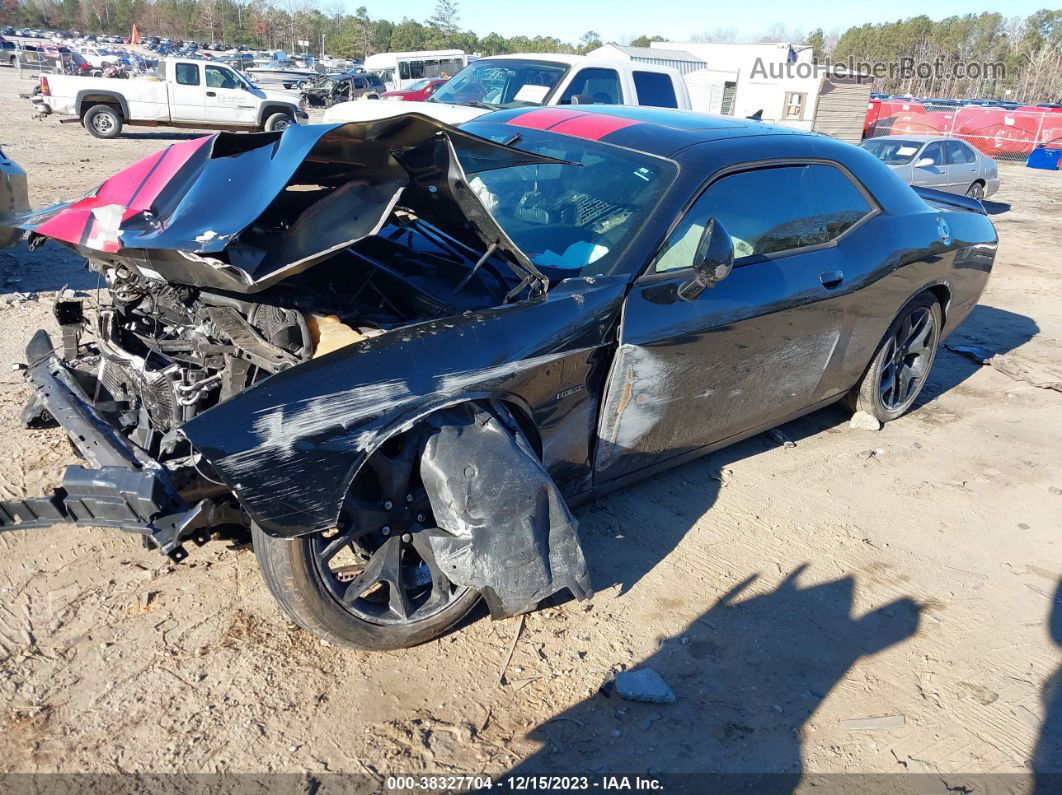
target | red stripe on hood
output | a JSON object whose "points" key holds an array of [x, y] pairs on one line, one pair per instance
{"points": [[133, 188], [173, 159]]}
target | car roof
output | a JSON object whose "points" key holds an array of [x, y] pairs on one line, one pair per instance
{"points": [[659, 131]]}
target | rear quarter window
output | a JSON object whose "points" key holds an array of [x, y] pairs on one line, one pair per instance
{"points": [[655, 89], [187, 74]]}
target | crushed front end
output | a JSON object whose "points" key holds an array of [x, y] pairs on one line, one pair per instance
{"points": [[341, 233]]}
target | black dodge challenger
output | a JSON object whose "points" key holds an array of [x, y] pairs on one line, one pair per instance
{"points": [[396, 352]]}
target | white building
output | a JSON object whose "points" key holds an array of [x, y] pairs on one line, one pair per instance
{"points": [[679, 60], [743, 79]]}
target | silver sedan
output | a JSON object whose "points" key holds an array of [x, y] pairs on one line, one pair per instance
{"points": [[930, 161]]}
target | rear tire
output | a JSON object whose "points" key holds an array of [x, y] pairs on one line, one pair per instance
{"points": [[103, 121], [976, 191], [902, 362], [278, 122]]}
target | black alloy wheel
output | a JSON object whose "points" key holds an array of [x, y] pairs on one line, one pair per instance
{"points": [[906, 359]]}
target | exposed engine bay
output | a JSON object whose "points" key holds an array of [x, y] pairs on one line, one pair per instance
{"points": [[157, 354]]}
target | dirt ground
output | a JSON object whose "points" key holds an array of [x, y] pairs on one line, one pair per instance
{"points": [[909, 576]]}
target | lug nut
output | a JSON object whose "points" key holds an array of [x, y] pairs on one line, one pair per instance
{"points": [[407, 537], [386, 529], [421, 517], [409, 498], [388, 505]]}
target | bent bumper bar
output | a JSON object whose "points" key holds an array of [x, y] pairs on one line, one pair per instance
{"points": [[125, 489]]}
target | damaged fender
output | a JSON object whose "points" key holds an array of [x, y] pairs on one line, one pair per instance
{"points": [[291, 446], [512, 537]]}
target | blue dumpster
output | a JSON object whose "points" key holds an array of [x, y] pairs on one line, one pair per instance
{"points": [[1042, 157]]}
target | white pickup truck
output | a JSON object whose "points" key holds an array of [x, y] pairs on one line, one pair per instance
{"points": [[516, 81], [186, 93]]}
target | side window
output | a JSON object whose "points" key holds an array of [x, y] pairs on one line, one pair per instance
{"points": [[359, 82], [187, 74], [600, 86], [794, 104], [655, 89], [769, 210], [935, 151], [959, 153], [219, 78], [403, 70], [842, 203], [416, 69]]}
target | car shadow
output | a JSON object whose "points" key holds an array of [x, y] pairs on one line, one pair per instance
{"points": [[623, 541], [1047, 756], [995, 208], [986, 328], [51, 267], [748, 675]]}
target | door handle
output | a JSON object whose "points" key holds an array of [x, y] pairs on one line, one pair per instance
{"points": [[831, 279], [211, 93]]}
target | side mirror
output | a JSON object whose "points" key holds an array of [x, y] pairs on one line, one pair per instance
{"points": [[713, 261], [924, 162]]}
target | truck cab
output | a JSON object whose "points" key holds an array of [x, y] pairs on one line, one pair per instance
{"points": [[513, 81]]}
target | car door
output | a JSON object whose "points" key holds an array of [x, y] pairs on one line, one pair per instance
{"points": [[187, 99], [962, 166], [760, 346], [932, 174], [225, 99]]}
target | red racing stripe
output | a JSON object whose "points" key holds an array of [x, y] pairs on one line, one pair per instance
{"points": [[592, 126], [175, 157], [544, 118], [133, 188]]}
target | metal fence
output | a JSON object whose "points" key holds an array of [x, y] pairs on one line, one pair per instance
{"points": [[1006, 135], [33, 63]]}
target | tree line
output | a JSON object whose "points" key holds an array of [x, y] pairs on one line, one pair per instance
{"points": [[1029, 49]]}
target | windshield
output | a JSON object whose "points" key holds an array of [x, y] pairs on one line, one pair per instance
{"points": [[570, 220], [502, 83], [893, 153], [417, 85]]}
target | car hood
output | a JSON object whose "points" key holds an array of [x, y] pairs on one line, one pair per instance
{"points": [[240, 212], [293, 97]]}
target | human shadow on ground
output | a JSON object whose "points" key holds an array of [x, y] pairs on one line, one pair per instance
{"points": [[1047, 756], [748, 676]]}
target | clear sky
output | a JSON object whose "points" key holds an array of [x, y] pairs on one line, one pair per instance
{"points": [[680, 19]]}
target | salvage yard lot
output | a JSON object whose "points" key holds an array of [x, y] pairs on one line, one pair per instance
{"points": [[859, 602]]}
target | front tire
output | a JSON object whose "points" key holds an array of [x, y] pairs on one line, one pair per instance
{"points": [[373, 581], [278, 122], [103, 121], [902, 362]]}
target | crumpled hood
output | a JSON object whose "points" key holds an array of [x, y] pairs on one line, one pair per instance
{"points": [[239, 211]]}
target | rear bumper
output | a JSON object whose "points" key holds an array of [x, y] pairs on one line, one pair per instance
{"points": [[124, 488]]}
